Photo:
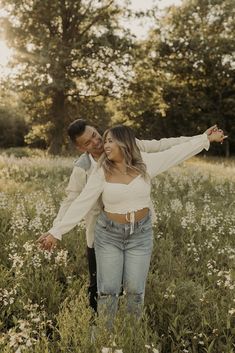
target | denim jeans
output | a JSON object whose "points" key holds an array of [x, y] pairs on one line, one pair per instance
{"points": [[122, 258]]}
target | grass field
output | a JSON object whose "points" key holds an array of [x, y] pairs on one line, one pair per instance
{"points": [[190, 294]]}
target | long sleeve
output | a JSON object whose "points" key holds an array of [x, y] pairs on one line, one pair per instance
{"points": [[81, 205], [162, 144], [161, 161], [75, 186]]}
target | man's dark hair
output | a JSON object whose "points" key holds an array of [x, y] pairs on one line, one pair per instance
{"points": [[76, 129]]}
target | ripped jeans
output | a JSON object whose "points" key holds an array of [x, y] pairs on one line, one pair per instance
{"points": [[122, 259]]}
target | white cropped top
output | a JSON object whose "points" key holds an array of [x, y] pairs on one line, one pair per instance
{"points": [[126, 198]]}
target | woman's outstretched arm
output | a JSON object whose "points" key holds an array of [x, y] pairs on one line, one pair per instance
{"points": [[77, 210], [162, 161]]}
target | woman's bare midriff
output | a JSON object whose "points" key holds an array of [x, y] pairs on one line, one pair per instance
{"points": [[123, 218]]}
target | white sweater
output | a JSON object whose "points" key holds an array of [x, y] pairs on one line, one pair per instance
{"points": [[131, 200]]}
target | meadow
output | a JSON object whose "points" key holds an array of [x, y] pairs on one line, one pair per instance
{"points": [[190, 294]]}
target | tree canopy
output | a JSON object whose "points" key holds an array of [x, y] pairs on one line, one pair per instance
{"points": [[68, 54], [75, 59], [185, 72]]}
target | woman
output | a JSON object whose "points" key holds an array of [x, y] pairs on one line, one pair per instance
{"points": [[123, 233]]}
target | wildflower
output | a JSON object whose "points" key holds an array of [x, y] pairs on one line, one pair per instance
{"points": [[17, 260], [28, 246], [36, 261], [176, 205], [61, 258]]}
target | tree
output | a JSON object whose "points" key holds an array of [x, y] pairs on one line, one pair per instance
{"points": [[184, 77], [68, 53], [198, 51]]}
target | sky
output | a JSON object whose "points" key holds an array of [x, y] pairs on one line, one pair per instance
{"points": [[139, 28], [146, 4]]}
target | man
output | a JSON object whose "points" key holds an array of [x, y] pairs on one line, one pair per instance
{"points": [[88, 140]]}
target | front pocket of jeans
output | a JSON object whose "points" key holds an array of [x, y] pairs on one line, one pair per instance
{"points": [[101, 223]]}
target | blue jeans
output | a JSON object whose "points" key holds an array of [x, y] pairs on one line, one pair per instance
{"points": [[122, 259]]}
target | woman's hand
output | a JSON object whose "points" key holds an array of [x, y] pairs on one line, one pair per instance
{"points": [[47, 242], [215, 135]]}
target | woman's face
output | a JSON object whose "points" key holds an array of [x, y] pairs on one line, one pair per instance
{"points": [[111, 149]]}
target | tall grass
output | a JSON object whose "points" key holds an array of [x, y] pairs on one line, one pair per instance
{"points": [[190, 294]]}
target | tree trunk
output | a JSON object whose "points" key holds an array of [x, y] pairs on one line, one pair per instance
{"points": [[227, 149], [58, 123]]}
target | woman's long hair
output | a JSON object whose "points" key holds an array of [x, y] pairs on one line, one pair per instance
{"points": [[125, 138]]}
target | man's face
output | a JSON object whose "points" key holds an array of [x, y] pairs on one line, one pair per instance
{"points": [[90, 141]]}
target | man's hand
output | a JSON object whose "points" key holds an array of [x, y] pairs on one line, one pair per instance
{"points": [[47, 242]]}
